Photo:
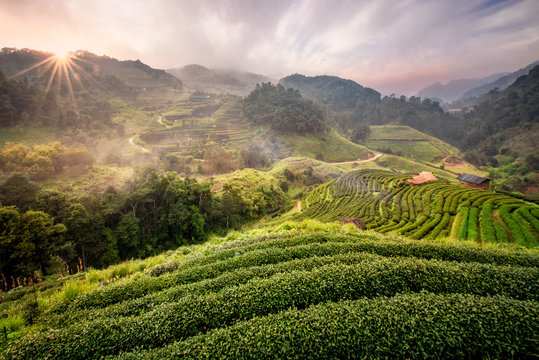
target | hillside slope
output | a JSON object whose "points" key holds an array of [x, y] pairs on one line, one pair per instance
{"points": [[386, 203], [410, 143], [268, 293]]}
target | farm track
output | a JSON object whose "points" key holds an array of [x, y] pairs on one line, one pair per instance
{"points": [[357, 161], [138, 147]]}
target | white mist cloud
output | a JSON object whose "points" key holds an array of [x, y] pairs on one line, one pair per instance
{"points": [[393, 46]]}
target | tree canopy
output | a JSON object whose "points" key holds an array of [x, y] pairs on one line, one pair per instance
{"points": [[284, 110]]}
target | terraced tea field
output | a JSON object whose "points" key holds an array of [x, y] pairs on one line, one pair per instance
{"points": [[199, 125], [386, 203], [295, 295]]}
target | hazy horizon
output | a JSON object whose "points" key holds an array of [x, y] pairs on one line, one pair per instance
{"points": [[392, 47]]}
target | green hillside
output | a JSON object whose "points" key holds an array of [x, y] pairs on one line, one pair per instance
{"points": [[27, 135], [387, 203], [269, 292], [329, 146], [405, 141]]}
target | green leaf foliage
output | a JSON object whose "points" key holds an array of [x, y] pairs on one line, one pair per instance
{"points": [[405, 326], [283, 110]]}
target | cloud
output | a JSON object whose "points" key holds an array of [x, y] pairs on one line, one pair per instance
{"points": [[391, 46]]}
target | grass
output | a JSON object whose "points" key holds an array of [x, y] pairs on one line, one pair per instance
{"points": [[426, 150], [12, 323], [300, 164], [247, 181], [329, 146], [128, 113], [97, 180], [406, 132]]}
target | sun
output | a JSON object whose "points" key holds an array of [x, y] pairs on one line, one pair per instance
{"points": [[63, 56], [62, 69]]}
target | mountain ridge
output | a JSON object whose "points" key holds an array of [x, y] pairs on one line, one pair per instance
{"points": [[500, 83], [200, 78], [21, 63], [454, 89]]}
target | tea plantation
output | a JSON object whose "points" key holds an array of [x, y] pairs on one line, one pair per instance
{"points": [[387, 203], [297, 292]]}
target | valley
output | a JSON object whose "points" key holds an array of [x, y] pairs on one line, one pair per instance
{"points": [[145, 216]]}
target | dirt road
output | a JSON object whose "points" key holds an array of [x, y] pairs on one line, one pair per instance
{"points": [[132, 142], [357, 161]]}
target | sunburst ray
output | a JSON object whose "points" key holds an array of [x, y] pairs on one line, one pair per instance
{"points": [[49, 59]]}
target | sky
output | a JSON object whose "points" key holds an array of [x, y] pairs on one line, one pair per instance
{"points": [[393, 46]]}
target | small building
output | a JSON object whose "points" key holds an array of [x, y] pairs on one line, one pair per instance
{"points": [[474, 181], [356, 221], [422, 178]]}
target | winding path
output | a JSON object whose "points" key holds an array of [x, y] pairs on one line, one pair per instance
{"points": [[357, 161], [132, 142], [160, 121]]}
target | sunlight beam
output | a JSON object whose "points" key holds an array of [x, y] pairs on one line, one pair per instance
{"points": [[51, 78], [69, 86], [49, 59], [85, 73], [76, 75], [59, 64], [45, 68]]}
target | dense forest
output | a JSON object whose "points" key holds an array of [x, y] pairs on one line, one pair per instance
{"points": [[45, 230], [284, 110], [20, 103], [26, 105], [501, 116], [335, 93]]}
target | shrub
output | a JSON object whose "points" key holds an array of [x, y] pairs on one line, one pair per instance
{"points": [[161, 269], [487, 228], [193, 314], [408, 326]]}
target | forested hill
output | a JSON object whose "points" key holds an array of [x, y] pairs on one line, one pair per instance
{"points": [[332, 91], [90, 67], [133, 72], [19, 102], [506, 123], [354, 105], [22, 104], [482, 132], [283, 110]]}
